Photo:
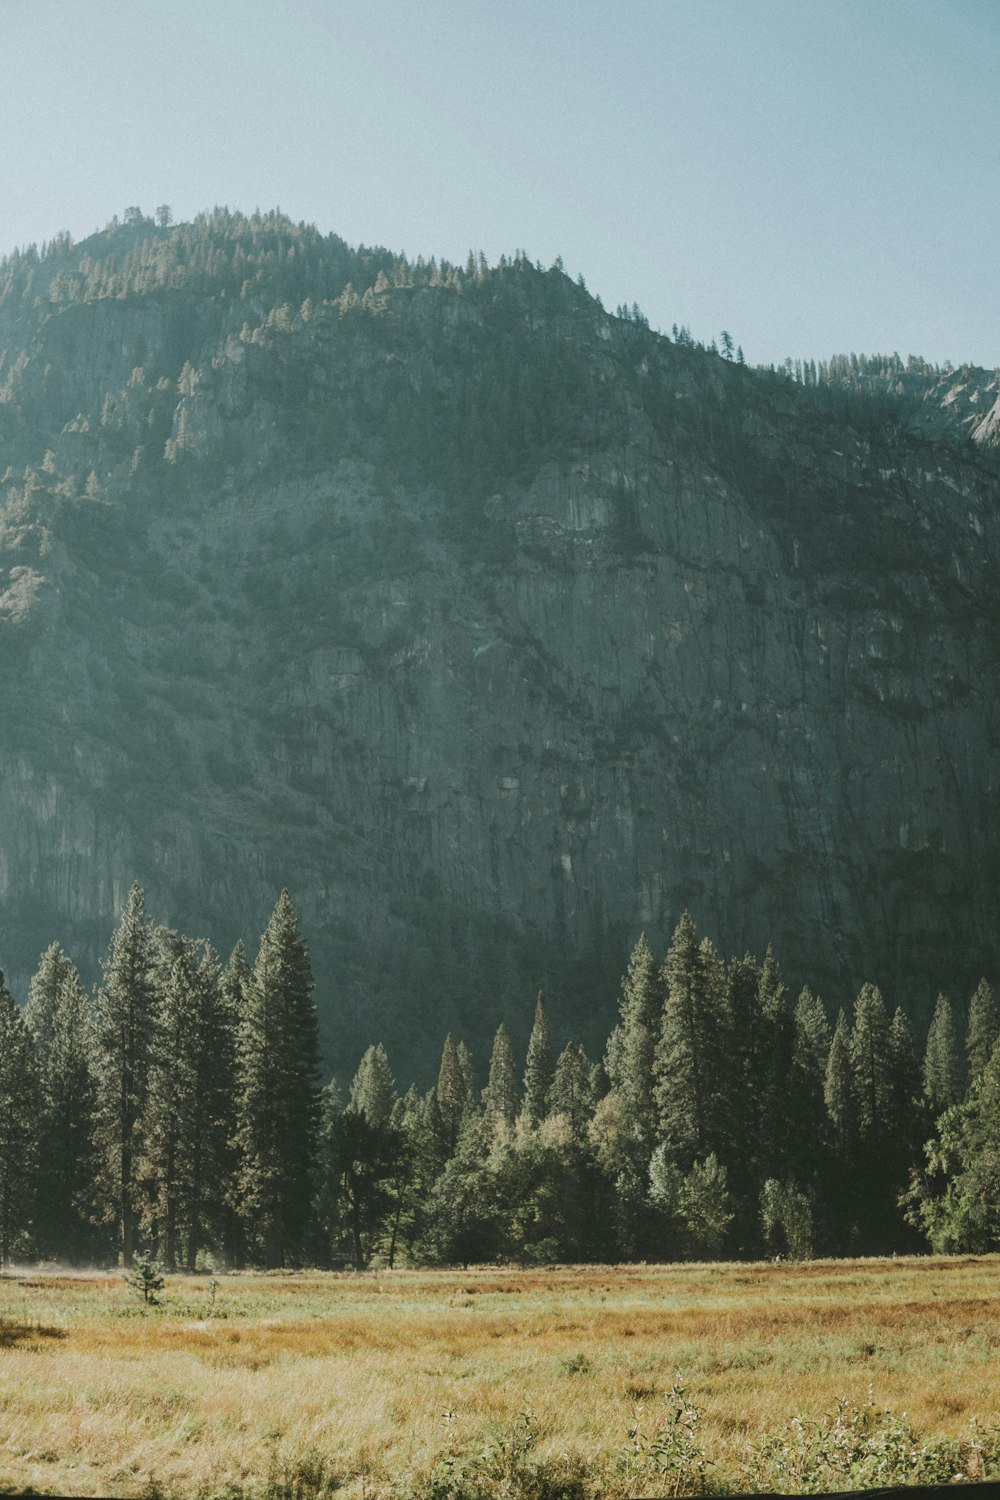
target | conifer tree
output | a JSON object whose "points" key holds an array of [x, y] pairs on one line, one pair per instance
{"points": [[942, 1061], [538, 1069], [909, 1111], [689, 1049], [173, 1124], [807, 1117], [641, 1009], [875, 1186], [124, 1023], [838, 1091], [452, 1095], [871, 1065], [500, 1094], [278, 1093], [234, 990], [742, 1104], [773, 1064], [373, 1090], [468, 1070], [189, 1101], [364, 1145], [67, 1109], [572, 1091], [54, 967], [982, 1031], [18, 1127]]}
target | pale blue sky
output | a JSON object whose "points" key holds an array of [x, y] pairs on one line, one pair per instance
{"points": [[814, 175]]}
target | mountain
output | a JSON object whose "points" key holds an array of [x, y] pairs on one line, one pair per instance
{"points": [[494, 626]]}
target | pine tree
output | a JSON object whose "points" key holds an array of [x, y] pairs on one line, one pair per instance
{"points": [[775, 1034], [43, 994], [572, 1091], [19, 1100], [364, 1145], [641, 1009], [538, 1069], [910, 1124], [373, 1090], [500, 1094], [67, 1111], [689, 1049], [942, 1060], [278, 1093], [172, 1121], [982, 1031], [870, 1065], [124, 1023], [452, 1094], [807, 1117], [234, 990], [838, 1091], [188, 1102]]}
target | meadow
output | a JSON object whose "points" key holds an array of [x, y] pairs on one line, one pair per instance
{"points": [[501, 1383]]}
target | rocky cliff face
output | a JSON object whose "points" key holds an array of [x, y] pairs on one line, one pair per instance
{"points": [[495, 627]]}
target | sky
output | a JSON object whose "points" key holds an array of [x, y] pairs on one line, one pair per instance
{"points": [[814, 176]]}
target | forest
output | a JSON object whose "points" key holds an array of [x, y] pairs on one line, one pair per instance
{"points": [[176, 1117]]}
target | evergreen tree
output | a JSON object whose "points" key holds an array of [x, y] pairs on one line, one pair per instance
{"points": [[910, 1123], [942, 1060], [54, 968], [124, 1024], [641, 1009], [189, 1097], [838, 1091], [278, 1094], [500, 1094], [364, 1145], [982, 1031], [234, 991], [775, 1034], [373, 1091], [172, 1123], [806, 1154], [538, 1069], [452, 1094], [572, 1091], [19, 1098], [876, 1185], [67, 1163], [871, 1066], [690, 1046]]}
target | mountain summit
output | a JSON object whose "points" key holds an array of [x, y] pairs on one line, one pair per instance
{"points": [[493, 625]]}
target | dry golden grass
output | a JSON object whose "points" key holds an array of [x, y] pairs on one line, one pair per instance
{"points": [[99, 1395]]}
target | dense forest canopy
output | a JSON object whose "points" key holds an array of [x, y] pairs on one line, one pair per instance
{"points": [[176, 1114]]}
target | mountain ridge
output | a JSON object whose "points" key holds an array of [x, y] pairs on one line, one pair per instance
{"points": [[495, 626]]}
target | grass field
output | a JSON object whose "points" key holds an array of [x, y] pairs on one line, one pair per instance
{"points": [[498, 1383]]}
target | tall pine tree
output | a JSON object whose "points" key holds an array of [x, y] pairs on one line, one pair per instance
{"points": [[124, 1024], [982, 1031], [65, 1210], [690, 1048], [18, 1128], [500, 1094], [942, 1060], [538, 1069], [278, 1090], [641, 1009]]}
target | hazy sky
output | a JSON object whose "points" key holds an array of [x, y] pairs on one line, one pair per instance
{"points": [[813, 175]]}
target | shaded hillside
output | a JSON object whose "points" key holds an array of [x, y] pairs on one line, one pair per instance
{"points": [[492, 625]]}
